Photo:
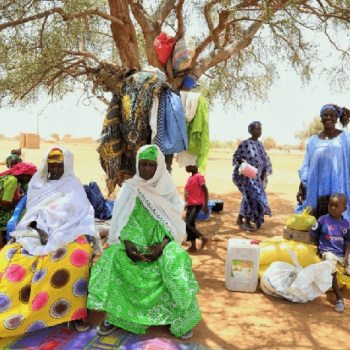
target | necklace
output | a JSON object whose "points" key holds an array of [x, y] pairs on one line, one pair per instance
{"points": [[327, 137]]}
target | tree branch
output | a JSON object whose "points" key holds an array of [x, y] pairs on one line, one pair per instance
{"points": [[102, 63], [163, 11], [141, 16], [64, 15], [180, 20], [223, 18]]}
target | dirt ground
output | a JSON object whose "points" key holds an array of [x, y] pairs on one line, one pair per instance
{"points": [[231, 320]]}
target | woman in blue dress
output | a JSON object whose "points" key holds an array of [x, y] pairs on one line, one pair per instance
{"points": [[254, 202], [326, 166]]}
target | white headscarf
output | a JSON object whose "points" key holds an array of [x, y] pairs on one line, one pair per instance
{"points": [[158, 195], [59, 207]]}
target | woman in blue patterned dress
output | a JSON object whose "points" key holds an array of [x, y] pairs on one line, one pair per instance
{"points": [[254, 203], [326, 166]]}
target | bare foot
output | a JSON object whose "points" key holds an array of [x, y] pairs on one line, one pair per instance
{"points": [[205, 241], [191, 250]]}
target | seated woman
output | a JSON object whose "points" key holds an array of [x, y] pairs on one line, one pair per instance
{"points": [[11, 183], [254, 202], [326, 167], [45, 272], [145, 277]]}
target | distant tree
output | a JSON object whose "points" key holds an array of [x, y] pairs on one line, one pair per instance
{"points": [[238, 141], [312, 128], [56, 136], [2, 137], [269, 143], [17, 138], [302, 146], [67, 136]]}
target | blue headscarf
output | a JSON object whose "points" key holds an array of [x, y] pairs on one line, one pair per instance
{"points": [[338, 110], [251, 125]]}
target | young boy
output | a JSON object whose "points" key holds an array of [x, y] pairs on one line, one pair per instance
{"points": [[196, 195], [331, 234]]}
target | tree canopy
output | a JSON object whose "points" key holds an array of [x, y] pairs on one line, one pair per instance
{"points": [[50, 46]]}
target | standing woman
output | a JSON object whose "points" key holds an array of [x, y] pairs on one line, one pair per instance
{"points": [[326, 167], [254, 203]]}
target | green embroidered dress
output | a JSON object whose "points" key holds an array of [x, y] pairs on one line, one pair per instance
{"points": [[138, 295], [8, 192]]}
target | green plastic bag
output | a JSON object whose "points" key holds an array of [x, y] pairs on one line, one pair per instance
{"points": [[301, 222]]}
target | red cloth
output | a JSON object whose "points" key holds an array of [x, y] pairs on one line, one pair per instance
{"points": [[20, 169], [164, 46], [194, 189]]}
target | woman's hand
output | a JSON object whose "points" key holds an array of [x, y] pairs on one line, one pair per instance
{"points": [[133, 253], [240, 160], [43, 236], [206, 209], [157, 250], [300, 194], [262, 177]]}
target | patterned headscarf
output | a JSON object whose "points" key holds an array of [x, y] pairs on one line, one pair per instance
{"points": [[251, 125], [338, 110], [21, 169], [149, 153], [13, 156], [55, 156]]}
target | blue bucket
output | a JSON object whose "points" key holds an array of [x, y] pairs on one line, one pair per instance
{"points": [[201, 216]]}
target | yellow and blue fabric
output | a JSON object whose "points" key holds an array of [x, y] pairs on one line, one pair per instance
{"points": [[41, 291], [149, 153], [171, 124], [55, 156]]}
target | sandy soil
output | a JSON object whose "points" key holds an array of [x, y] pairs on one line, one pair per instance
{"points": [[250, 321]]}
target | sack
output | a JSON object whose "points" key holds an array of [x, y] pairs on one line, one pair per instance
{"points": [[183, 52], [276, 249], [301, 222], [292, 282], [163, 45]]}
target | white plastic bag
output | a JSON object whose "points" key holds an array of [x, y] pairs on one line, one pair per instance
{"points": [[292, 282]]}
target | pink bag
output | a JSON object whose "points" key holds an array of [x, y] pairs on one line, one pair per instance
{"points": [[248, 170], [164, 46]]}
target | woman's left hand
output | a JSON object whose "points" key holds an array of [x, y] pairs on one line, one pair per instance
{"points": [[262, 177], [157, 250]]}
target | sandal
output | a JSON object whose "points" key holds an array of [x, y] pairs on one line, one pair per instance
{"points": [[82, 326], [248, 227], [339, 306], [108, 331], [187, 335]]}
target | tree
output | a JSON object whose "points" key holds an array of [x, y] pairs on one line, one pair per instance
{"points": [[48, 46], [269, 143], [2, 137], [67, 136], [312, 128], [55, 136], [238, 141], [302, 146]]}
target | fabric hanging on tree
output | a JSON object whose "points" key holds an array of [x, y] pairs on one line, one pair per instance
{"points": [[190, 103], [171, 127], [198, 135], [153, 118], [126, 125]]}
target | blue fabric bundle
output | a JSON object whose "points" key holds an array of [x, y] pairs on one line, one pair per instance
{"points": [[171, 130]]}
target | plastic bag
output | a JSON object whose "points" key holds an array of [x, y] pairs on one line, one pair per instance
{"points": [[292, 282], [301, 222], [163, 45], [182, 54]]}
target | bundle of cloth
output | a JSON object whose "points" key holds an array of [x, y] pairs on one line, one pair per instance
{"points": [[147, 110]]}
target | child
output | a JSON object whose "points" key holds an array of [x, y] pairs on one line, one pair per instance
{"points": [[332, 236], [196, 195]]}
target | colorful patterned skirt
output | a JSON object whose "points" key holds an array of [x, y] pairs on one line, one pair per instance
{"points": [[42, 291]]}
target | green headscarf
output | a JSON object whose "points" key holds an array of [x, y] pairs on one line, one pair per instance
{"points": [[149, 153], [13, 156]]}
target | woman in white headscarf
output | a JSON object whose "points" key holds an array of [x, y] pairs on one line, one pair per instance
{"points": [[145, 277], [44, 272]]}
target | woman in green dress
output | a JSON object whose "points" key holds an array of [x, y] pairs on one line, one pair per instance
{"points": [[145, 277]]}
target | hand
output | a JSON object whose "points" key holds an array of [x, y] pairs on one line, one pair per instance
{"points": [[133, 253], [345, 262], [11, 240], [240, 160], [300, 196], [318, 253], [205, 209], [43, 236], [157, 250], [262, 177]]}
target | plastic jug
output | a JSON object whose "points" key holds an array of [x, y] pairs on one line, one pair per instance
{"points": [[242, 265]]}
